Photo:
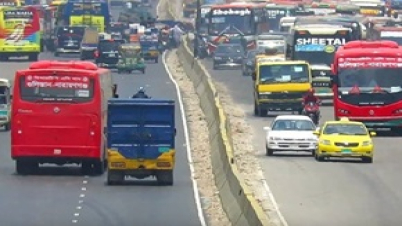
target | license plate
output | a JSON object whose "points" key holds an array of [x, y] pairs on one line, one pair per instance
{"points": [[346, 151], [111, 55]]}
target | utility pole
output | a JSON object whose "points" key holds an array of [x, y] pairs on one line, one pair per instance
{"points": [[197, 28]]}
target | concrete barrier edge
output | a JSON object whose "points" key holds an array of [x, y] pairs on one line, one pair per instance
{"points": [[244, 210]]}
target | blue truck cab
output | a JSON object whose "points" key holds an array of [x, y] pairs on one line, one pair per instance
{"points": [[141, 140]]}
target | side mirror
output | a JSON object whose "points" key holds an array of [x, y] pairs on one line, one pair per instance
{"points": [[317, 133], [11, 97], [267, 128], [175, 131], [116, 96], [253, 76], [373, 134], [333, 80]]}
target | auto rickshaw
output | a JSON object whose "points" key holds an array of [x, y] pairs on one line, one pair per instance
{"points": [[5, 104], [149, 46], [130, 58]]}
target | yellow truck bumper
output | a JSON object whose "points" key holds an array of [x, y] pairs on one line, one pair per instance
{"points": [[116, 161]]}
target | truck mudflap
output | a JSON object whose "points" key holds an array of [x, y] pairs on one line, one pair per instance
{"points": [[141, 136]]}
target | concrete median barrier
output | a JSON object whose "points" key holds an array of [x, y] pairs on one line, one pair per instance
{"points": [[240, 206], [237, 199]]}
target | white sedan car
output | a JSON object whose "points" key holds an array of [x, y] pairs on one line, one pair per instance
{"points": [[291, 133]]}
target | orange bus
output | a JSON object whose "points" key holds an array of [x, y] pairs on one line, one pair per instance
{"points": [[59, 115]]}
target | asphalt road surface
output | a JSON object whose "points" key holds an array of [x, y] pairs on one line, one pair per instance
{"points": [[61, 196], [311, 193]]}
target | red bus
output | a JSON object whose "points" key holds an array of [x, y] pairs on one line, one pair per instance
{"points": [[59, 113], [236, 19], [367, 84]]}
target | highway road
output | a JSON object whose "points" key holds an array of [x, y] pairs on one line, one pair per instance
{"points": [[61, 196], [310, 193]]}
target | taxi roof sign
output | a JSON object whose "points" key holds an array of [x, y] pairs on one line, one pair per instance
{"points": [[344, 119]]}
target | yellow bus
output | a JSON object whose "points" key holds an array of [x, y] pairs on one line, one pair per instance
{"points": [[20, 32]]}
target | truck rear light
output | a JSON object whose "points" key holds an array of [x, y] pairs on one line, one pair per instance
{"points": [[92, 133], [163, 164]]}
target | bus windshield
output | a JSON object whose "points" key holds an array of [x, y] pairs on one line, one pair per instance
{"points": [[395, 36], [283, 73], [34, 88], [274, 16], [16, 17], [389, 79], [318, 49], [240, 20], [91, 8]]}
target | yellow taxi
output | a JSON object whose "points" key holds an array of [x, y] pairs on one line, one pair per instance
{"points": [[344, 139]]}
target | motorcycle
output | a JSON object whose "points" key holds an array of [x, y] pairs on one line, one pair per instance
{"points": [[312, 110]]}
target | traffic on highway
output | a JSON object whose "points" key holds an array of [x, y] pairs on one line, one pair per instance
{"points": [[86, 103], [318, 81]]}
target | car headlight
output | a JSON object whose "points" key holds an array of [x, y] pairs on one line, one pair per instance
{"points": [[325, 142], [367, 143], [275, 138], [217, 58]]}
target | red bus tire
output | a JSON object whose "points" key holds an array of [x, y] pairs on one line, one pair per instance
{"points": [[25, 167]]}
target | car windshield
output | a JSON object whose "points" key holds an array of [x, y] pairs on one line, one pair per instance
{"points": [[230, 49], [345, 129], [304, 125], [283, 73]]}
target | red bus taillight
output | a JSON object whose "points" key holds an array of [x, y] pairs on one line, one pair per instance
{"points": [[92, 129], [96, 54]]}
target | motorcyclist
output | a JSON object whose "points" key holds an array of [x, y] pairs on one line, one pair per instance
{"points": [[141, 94], [310, 97], [165, 30]]}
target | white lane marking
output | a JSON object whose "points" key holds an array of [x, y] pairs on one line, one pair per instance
{"points": [[188, 146], [78, 208], [273, 201]]}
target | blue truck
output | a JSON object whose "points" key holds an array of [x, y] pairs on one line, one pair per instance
{"points": [[141, 140]]}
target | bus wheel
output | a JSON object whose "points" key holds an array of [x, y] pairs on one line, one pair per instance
{"points": [[42, 45], [33, 57], [26, 167], [99, 167], [165, 177]]}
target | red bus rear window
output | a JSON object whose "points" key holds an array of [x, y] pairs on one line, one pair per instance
{"points": [[56, 88]]}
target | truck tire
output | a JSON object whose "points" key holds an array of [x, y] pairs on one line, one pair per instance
{"points": [[114, 178], [165, 177], [26, 167]]}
